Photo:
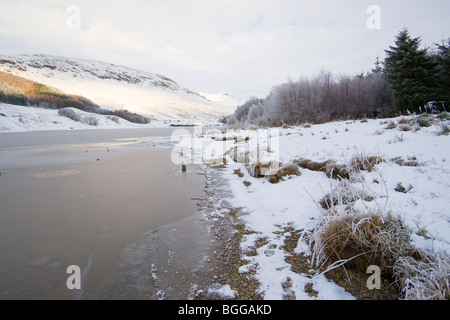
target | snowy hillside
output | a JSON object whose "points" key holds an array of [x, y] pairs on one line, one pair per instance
{"points": [[224, 99], [113, 86]]}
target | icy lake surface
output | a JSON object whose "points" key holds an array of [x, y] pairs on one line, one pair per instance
{"points": [[109, 201]]}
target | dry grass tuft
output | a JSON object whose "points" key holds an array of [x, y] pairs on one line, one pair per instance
{"points": [[311, 165], [287, 170], [404, 121], [391, 125], [361, 239], [238, 173], [363, 162], [337, 171], [331, 169], [411, 162]]}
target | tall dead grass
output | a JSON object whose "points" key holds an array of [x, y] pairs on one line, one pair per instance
{"points": [[360, 239], [362, 162], [425, 279]]}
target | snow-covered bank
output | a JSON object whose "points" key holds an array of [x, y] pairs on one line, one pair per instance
{"points": [[411, 181], [22, 119]]}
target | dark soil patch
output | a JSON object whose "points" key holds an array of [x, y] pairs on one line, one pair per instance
{"points": [[355, 283]]}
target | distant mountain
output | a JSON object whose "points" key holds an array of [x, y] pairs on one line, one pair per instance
{"points": [[115, 87], [224, 99]]}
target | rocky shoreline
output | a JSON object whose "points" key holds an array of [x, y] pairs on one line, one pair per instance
{"points": [[221, 219]]}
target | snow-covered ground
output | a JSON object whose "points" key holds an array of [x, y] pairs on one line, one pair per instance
{"points": [[21, 119], [418, 160]]}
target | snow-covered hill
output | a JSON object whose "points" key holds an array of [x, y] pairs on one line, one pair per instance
{"points": [[114, 86], [224, 99]]}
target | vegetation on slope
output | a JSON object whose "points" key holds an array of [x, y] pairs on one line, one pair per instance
{"points": [[20, 91]]}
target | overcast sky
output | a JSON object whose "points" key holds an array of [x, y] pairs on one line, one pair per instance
{"points": [[243, 47]]}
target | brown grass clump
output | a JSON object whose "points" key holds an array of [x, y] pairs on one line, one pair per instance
{"points": [[404, 121], [365, 163], [311, 165], [331, 169], [391, 125], [360, 240], [238, 173], [411, 162], [337, 171], [287, 170]]}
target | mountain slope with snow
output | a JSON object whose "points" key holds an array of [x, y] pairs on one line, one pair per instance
{"points": [[224, 99], [114, 86]]}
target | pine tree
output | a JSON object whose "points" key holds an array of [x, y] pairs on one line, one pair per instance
{"points": [[410, 72], [442, 58], [378, 68]]}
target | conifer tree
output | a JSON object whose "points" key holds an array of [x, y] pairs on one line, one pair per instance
{"points": [[442, 59], [410, 72]]}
